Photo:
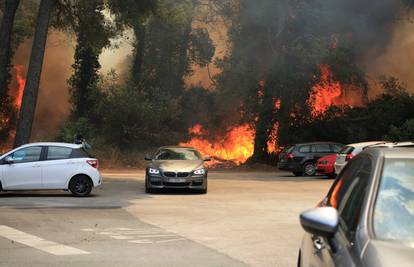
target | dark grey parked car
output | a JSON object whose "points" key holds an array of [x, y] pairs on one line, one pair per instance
{"points": [[301, 159], [176, 167], [367, 218]]}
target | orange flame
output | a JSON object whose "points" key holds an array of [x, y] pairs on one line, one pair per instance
{"points": [[329, 92], [272, 144], [236, 146], [21, 82]]}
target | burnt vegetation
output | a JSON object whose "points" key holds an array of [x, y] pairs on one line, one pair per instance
{"points": [[292, 71]]}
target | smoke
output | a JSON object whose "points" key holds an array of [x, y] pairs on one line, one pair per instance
{"points": [[397, 58], [53, 106]]}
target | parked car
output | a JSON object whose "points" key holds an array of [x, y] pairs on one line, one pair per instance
{"points": [[367, 217], [350, 151], [176, 167], [325, 165], [45, 166], [301, 159]]}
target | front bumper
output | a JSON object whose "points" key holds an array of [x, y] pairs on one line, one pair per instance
{"points": [[190, 182], [325, 169]]}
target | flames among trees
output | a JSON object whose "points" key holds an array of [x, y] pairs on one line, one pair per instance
{"points": [[293, 71]]}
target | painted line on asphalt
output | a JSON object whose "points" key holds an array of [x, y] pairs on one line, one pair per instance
{"points": [[171, 240], [39, 243]]}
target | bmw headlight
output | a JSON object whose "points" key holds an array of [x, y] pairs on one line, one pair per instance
{"points": [[153, 171], [200, 172]]}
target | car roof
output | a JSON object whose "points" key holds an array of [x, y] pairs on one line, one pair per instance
{"points": [[395, 144], [365, 144], [317, 143], [391, 152], [69, 145]]}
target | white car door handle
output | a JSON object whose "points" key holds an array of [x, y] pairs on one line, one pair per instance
{"points": [[36, 165]]}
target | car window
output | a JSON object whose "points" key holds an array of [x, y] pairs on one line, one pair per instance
{"points": [[336, 148], [177, 154], [350, 193], [56, 152], [288, 149], [346, 150], [305, 149], [394, 206], [28, 154], [80, 153], [322, 148]]}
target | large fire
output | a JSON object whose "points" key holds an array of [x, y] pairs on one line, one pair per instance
{"points": [[16, 93], [236, 146], [21, 82], [329, 92]]}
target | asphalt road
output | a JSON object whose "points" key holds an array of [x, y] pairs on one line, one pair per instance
{"points": [[246, 219]]}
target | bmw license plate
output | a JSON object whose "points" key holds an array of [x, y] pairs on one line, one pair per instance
{"points": [[176, 180]]}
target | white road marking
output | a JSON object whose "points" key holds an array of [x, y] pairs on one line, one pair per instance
{"points": [[39, 243], [170, 240], [121, 237], [141, 241]]}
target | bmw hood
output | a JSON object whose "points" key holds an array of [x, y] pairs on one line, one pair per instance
{"points": [[177, 165]]}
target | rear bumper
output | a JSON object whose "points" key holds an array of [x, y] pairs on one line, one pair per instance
{"points": [[191, 182], [289, 166], [339, 167]]}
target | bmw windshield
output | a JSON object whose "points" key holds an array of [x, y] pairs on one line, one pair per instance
{"points": [[177, 154], [394, 207]]}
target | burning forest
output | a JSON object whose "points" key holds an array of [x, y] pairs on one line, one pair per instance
{"points": [[224, 77]]}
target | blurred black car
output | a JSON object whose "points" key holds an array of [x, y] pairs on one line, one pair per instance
{"points": [[301, 159], [367, 218]]}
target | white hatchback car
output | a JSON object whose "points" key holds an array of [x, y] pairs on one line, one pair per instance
{"points": [[44, 166], [349, 151]]}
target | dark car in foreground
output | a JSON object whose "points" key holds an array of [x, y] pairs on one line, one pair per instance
{"points": [[367, 218], [300, 159], [176, 167]]}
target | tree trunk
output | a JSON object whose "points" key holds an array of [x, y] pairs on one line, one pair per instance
{"points": [[139, 47], [29, 100], [5, 39]]}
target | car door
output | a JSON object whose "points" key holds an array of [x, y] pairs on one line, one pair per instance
{"points": [[57, 167], [348, 197], [23, 171]]}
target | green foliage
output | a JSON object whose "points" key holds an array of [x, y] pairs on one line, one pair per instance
{"points": [[403, 133], [93, 34], [72, 128]]}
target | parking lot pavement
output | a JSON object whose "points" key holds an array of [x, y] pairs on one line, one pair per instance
{"points": [[247, 218]]}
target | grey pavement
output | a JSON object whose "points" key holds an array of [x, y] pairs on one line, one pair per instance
{"points": [[246, 219]]}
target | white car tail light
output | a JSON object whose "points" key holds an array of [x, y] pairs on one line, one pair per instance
{"points": [[93, 162]]}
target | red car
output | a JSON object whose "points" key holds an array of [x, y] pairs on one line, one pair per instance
{"points": [[325, 165]]}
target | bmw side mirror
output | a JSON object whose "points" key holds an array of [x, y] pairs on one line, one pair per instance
{"points": [[320, 221], [207, 158], [8, 160], [148, 157]]}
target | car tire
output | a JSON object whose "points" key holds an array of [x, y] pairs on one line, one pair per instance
{"points": [[1, 187], [80, 186], [299, 259], [203, 191], [148, 189], [309, 169], [298, 173]]}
